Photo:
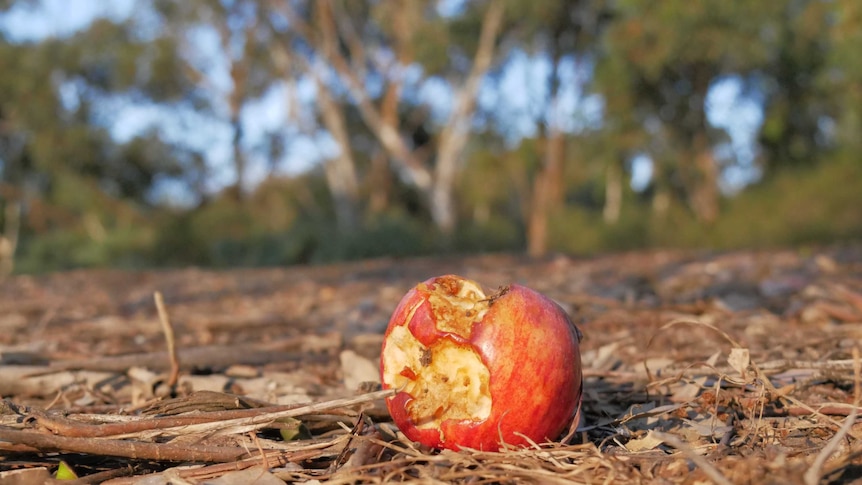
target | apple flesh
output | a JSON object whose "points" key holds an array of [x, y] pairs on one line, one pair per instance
{"points": [[480, 372]]}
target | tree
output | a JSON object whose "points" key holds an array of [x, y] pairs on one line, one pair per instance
{"points": [[839, 82], [342, 45], [799, 92], [657, 64], [565, 34], [60, 169]]}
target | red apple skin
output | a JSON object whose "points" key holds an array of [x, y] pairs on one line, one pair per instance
{"points": [[531, 349]]}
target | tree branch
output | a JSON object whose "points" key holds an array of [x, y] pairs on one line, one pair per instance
{"points": [[455, 133], [388, 134]]}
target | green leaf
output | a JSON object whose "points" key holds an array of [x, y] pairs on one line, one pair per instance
{"points": [[293, 429], [65, 472]]}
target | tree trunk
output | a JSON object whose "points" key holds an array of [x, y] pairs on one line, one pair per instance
{"points": [[239, 70], [613, 193], [661, 201], [340, 171], [238, 157], [380, 183], [704, 195], [555, 155], [537, 225], [9, 239], [547, 193], [548, 184], [456, 133], [238, 74]]}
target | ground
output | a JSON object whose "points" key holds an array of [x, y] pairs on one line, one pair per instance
{"points": [[699, 367]]}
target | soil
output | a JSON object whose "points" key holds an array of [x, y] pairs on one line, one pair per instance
{"points": [[699, 367]]}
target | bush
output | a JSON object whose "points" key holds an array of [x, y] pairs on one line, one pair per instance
{"points": [[392, 234], [497, 234]]}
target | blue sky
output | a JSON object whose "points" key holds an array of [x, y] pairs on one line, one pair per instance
{"points": [[517, 103]]}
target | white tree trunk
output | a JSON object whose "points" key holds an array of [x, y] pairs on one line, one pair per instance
{"points": [[456, 132], [340, 171]]}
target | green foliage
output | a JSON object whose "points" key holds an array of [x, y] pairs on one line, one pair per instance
{"points": [[799, 206], [88, 199], [386, 235], [64, 249], [493, 235]]}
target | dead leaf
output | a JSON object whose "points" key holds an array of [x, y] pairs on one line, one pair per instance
{"points": [[648, 442], [28, 476], [357, 369], [255, 475], [739, 359], [708, 426]]}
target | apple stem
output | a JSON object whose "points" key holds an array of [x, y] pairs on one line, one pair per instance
{"points": [[500, 292]]}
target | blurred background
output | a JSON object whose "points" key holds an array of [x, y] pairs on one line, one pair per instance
{"points": [[154, 133]]}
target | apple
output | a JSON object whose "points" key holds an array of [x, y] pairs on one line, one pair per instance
{"points": [[480, 372]]}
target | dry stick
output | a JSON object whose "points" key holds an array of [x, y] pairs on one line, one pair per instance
{"points": [[357, 428], [168, 329], [213, 471], [203, 356], [260, 449], [812, 476], [242, 425], [122, 448], [71, 428], [707, 467], [76, 429]]}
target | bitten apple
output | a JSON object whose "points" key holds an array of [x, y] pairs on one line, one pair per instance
{"points": [[478, 371]]}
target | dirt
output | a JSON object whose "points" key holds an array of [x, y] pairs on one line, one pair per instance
{"points": [[700, 367]]}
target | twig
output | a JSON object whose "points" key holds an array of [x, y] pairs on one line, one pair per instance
{"points": [[255, 417], [357, 428], [168, 329], [122, 448], [260, 449], [241, 425], [217, 470], [812, 476], [707, 467], [202, 356]]}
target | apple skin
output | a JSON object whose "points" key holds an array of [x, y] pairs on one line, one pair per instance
{"points": [[531, 350]]}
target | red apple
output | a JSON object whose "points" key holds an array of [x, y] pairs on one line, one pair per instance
{"points": [[477, 371]]}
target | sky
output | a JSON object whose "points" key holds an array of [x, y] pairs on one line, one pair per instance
{"points": [[515, 103]]}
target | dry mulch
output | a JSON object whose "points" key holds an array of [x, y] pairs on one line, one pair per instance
{"points": [[740, 367]]}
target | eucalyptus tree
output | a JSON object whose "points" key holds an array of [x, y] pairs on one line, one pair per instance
{"points": [[364, 54], [809, 81], [60, 167], [841, 77], [658, 62]]}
